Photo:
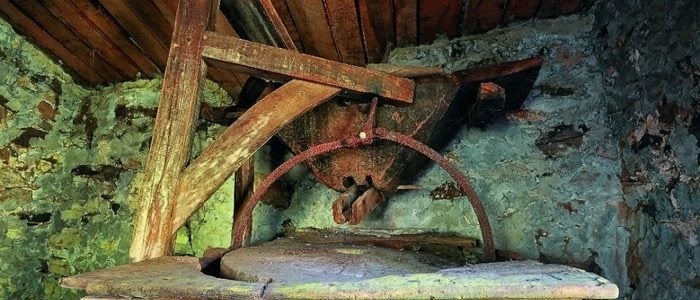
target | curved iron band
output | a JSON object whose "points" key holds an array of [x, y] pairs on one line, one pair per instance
{"points": [[243, 219]]}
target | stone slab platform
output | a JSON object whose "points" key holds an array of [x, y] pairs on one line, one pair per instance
{"points": [[180, 277]]}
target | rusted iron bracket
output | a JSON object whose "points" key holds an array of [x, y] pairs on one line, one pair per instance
{"points": [[243, 219]]}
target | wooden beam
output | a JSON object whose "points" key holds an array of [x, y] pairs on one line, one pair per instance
{"points": [[255, 127], [312, 23], [147, 40], [172, 133], [281, 65], [283, 13], [155, 22], [520, 10], [30, 29], [406, 20], [277, 24], [377, 22], [72, 17], [70, 40], [345, 27], [481, 16], [439, 17], [117, 35]]}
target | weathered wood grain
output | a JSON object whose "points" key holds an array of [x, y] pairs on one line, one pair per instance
{"points": [[378, 28], [520, 10], [345, 27], [439, 18], [151, 44], [172, 133], [283, 12], [235, 145], [312, 24], [72, 17], [32, 30], [68, 38], [120, 38], [281, 65], [406, 22], [483, 15]]}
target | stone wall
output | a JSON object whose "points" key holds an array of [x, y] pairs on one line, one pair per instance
{"points": [[650, 58], [68, 157], [556, 204]]}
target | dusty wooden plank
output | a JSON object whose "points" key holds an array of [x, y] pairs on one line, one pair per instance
{"points": [[113, 31], [312, 24], [153, 46], [153, 18], [167, 8], [439, 17], [277, 24], [29, 28], [406, 22], [283, 12], [345, 27], [281, 65], [70, 40], [245, 136], [520, 10], [483, 15], [72, 17], [172, 133], [377, 22]]}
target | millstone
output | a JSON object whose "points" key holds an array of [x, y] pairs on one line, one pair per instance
{"points": [[287, 261]]}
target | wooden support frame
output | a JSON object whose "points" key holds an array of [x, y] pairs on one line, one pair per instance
{"points": [[171, 192], [280, 64], [172, 133]]}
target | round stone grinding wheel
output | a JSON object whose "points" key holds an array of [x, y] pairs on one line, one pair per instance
{"points": [[288, 261]]}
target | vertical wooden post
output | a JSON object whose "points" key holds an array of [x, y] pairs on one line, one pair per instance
{"points": [[172, 133]]}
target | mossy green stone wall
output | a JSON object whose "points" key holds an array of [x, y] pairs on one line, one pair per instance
{"points": [[68, 158]]}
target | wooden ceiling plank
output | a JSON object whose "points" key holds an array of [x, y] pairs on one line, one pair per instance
{"points": [[153, 18], [406, 22], [229, 81], [72, 17], [481, 16], [312, 23], [520, 10], [104, 22], [29, 28], [439, 17], [377, 23], [280, 64], [283, 12], [278, 25], [346, 32], [168, 9], [64, 35], [147, 40]]}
